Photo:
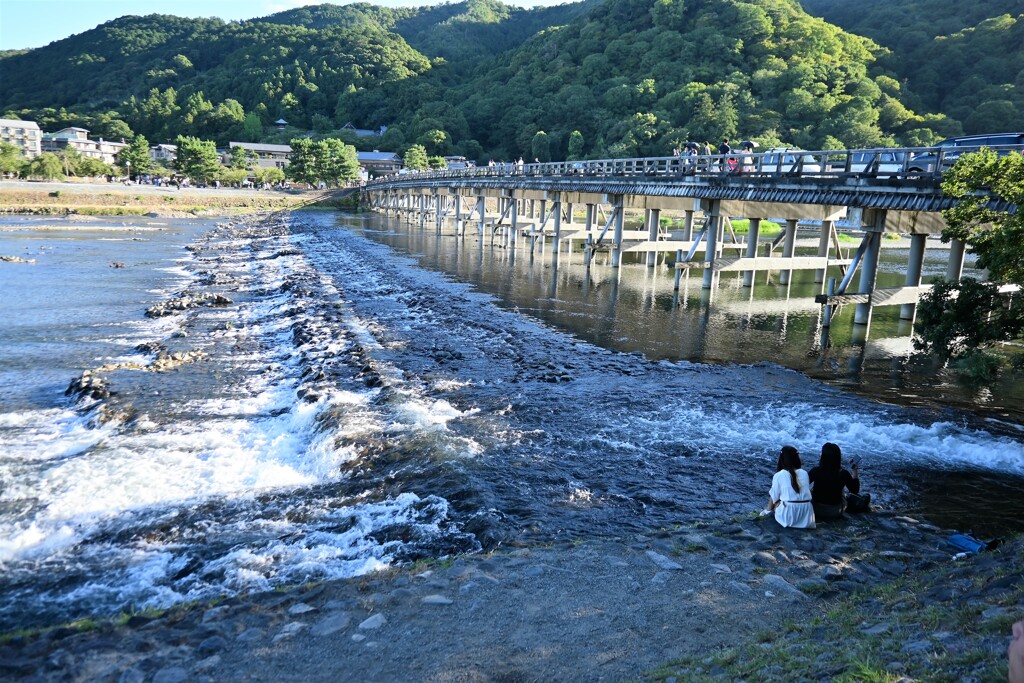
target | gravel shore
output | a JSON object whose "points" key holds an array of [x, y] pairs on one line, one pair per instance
{"points": [[746, 601]]}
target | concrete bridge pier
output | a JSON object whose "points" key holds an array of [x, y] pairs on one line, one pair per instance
{"points": [[869, 268], [752, 238], [652, 218], [714, 227], [688, 225], [826, 234], [788, 248], [915, 263], [955, 265], [458, 215], [556, 209], [618, 209], [513, 231]]}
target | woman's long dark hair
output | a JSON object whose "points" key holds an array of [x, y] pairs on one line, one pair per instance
{"points": [[831, 457], [789, 460]]}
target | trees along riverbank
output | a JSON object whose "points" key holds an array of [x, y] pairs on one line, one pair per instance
{"points": [[961, 322]]}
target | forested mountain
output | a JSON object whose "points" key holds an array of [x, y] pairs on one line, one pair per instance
{"points": [[455, 32], [965, 59], [479, 78]]}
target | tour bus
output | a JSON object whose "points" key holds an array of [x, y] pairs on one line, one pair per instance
{"points": [[952, 148]]}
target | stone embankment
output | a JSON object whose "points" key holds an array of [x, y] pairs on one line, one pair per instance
{"points": [[875, 597]]}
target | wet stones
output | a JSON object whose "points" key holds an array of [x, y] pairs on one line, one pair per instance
{"points": [[89, 385], [184, 303], [15, 259]]}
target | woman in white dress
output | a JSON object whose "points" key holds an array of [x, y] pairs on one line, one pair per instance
{"points": [[790, 495]]}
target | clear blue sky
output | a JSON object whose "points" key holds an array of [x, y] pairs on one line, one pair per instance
{"points": [[34, 23]]}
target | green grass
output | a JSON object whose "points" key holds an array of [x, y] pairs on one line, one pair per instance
{"points": [[741, 226]]}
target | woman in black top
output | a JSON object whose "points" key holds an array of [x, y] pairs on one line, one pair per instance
{"points": [[828, 480]]}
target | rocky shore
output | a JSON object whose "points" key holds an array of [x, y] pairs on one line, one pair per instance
{"points": [[874, 597]]}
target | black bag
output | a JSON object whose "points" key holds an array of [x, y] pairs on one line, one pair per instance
{"points": [[858, 503]]}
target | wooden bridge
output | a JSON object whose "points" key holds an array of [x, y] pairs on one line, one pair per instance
{"points": [[874, 191]]}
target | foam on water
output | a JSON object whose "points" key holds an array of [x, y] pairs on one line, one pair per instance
{"points": [[884, 435]]}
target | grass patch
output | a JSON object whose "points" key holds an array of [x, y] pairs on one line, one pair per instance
{"points": [[741, 226], [944, 640]]}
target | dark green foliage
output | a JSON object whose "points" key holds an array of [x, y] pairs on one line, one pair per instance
{"points": [[481, 78], [197, 159], [135, 156], [416, 158], [997, 237], [963, 59], [957, 319], [329, 160]]}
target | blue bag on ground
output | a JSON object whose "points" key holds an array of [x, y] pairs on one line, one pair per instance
{"points": [[967, 544]]}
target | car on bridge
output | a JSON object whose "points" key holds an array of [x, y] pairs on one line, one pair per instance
{"points": [[952, 148], [874, 162], [780, 160]]}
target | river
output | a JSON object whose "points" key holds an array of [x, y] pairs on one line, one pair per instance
{"points": [[374, 395]]}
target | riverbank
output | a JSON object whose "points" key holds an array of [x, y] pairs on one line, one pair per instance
{"points": [[116, 199], [876, 597]]}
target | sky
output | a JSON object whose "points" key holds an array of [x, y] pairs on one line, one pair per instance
{"points": [[35, 23]]}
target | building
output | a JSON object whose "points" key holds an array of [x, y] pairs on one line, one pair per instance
{"points": [[365, 132], [269, 156], [163, 154], [78, 140], [23, 134], [379, 163]]}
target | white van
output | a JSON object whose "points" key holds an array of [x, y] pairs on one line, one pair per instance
{"points": [[870, 162], [780, 160]]}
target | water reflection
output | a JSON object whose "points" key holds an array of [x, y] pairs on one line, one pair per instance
{"points": [[636, 308]]}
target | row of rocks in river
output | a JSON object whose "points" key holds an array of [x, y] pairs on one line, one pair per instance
{"points": [[605, 609], [185, 302]]}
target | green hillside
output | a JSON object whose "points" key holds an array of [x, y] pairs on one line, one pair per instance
{"points": [[633, 77], [964, 59]]}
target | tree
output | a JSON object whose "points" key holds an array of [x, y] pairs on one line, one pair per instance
{"points": [[575, 152], [302, 166], [435, 141], [335, 161], [47, 166], [238, 158], [197, 159], [416, 158], [70, 158], [91, 167], [997, 237], [11, 158], [540, 148], [252, 127], [135, 156], [957, 320]]}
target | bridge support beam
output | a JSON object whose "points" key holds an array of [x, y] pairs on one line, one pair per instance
{"points": [[653, 226], [915, 264], [955, 265], [869, 268], [788, 248], [714, 226], [823, 239], [619, 209], [752, 238], [688, 225]]}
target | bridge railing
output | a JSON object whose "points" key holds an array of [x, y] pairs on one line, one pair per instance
{"points": [[887, 162]]}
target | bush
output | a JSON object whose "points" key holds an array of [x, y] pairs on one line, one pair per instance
{"points": [[977, 366]]}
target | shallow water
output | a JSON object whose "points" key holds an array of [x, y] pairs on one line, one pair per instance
{"points": [[355, 409]]}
